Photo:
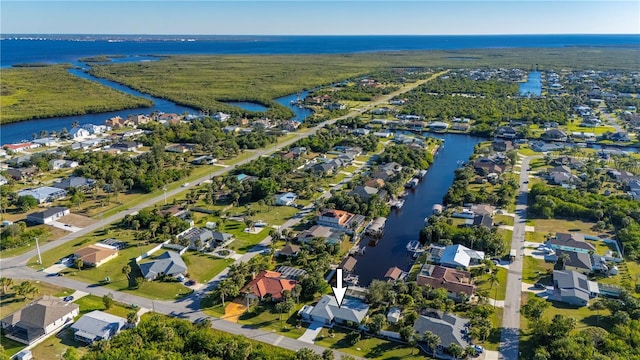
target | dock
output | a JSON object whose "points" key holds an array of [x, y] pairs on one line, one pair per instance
{"points": [[397, 204]]}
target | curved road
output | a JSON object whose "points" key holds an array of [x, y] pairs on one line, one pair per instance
{"points": [[509, 341], [188, 307]]}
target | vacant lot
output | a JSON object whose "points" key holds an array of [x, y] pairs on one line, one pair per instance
{"points": [[546, 226], [77, 220]]}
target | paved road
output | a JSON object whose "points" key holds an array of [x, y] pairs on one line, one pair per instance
{"points": [[509, 340], [188, 307], [610, 119]]}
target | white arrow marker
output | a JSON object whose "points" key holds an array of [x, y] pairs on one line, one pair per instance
{"points": [[339, 291]]}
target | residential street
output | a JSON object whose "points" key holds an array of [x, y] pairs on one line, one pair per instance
{"points": [[509, 340], [189, 306]]}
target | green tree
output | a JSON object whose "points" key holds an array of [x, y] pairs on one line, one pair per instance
{"points": [[307, 354], [534, 308], [328, 355], [26, 203], [107, 300], [432, 341], [71, 354], [132, 318], [6, 283], [377, 322], [78, 263], [456, 350]]}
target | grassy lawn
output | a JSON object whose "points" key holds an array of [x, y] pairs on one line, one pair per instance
{"points": [[272, 215], [90, 303], [575, 127], [11, 347], [493, 341], [12, 302], [533, 269], [497, 291], [245, 155], [56, 345], [503, 220], [264, 316], [535, 236], [202, 267], [507, 235], [584, 316], [526, 151], [368, 347], [546, 226]]}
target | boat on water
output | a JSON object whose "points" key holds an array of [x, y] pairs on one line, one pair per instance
{"points": [[412, 183], [397, 204], [422, 173], [415, 247]]}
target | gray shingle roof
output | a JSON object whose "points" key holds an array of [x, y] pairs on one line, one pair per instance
{"points": [[351, 310], [170, 263]]}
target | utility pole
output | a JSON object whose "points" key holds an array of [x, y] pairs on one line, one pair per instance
{"points": [[165, 194], [38, 248]]}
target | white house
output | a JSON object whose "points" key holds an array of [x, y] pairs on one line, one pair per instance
{"points": [[49, 215], [62, 164], [79, 133], [44, 194], [286, 199], [39, 319], [96, 326], [220, 116]]}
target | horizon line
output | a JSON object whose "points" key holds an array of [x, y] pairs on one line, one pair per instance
{"points": [[258, 35]]}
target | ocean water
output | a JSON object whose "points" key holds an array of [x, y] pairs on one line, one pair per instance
{"points": [[56, 51]]}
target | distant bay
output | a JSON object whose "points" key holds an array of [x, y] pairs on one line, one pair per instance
{"points": [[68, 48]]}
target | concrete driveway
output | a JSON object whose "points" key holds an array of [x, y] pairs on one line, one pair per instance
{"points": [[312, 332], [64, 226]]}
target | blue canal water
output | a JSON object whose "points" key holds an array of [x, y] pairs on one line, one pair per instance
{"points": [[249, 106], [533, 85], [404, 225]]}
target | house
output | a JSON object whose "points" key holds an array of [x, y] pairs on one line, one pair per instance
{"points": [[198, 238], [375, 183], [574, 288], [340, 219], [139, 119], [576, 261], [438, 126], [126, 146], [168, 263], [268, 283], [96, 255], [453, 280], [507, 132], [179, 148], [570, 242], [328, 312], [79, 133], [395, 273], [46, 141], [39, 319], [455, 256], [115, 122], [62, 164], [95, 129], [290, 250], [75, 182], [555, 134], [569, 161], [483, 209], [44, 194], [48, 216], [231, 129], [20, 147], [204, 160], [502, 145], [221, 238], [220, 116], [480, 220], [289, 272], [169, 118], [96, 326], [366, 192], [449, 328], [331, 235], [22, 174], [394, 315], [286, 199], [485, 166]]}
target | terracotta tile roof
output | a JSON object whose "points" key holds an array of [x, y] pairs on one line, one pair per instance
{"points": [[269, 283], [455, 281], [94, 254], [393, 273]]}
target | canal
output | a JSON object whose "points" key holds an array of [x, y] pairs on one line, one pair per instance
{"points": [[404, 225], [24, 130], [533, 85]]}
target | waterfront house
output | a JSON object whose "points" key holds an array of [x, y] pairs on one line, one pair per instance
{"points": [[96, 255], [366, 192], [39, 319], [454, 256], [573, 288], [507, 132], [570, 242], [453, 280], [49, 215], [331, 235], [44, 194], [78, 133], [328, 312], [220, 116], [480, 220], [20, 147], [438, 126], [268, 284], [449, 328], [340, 219], [395, 273], [46, 141], [126, 146], [486, 165], [502, 145], [115, 122], [376, 227], [168, 263], [96, 326]]}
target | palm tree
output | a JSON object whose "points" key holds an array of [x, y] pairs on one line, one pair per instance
{"points": [[224, 289], [432, 340], [493, 280], [78, 263], [456, 350], [563, 259], [126, 270], [5, 282], [597, 306]]}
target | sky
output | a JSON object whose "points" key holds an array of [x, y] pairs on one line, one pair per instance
{"points": [[320, 17]]}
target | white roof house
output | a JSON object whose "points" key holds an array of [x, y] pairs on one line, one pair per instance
{"points": [[328, 312], [455, 256], [96, 326], [79, 133], [44, 194], [286, 199]]}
